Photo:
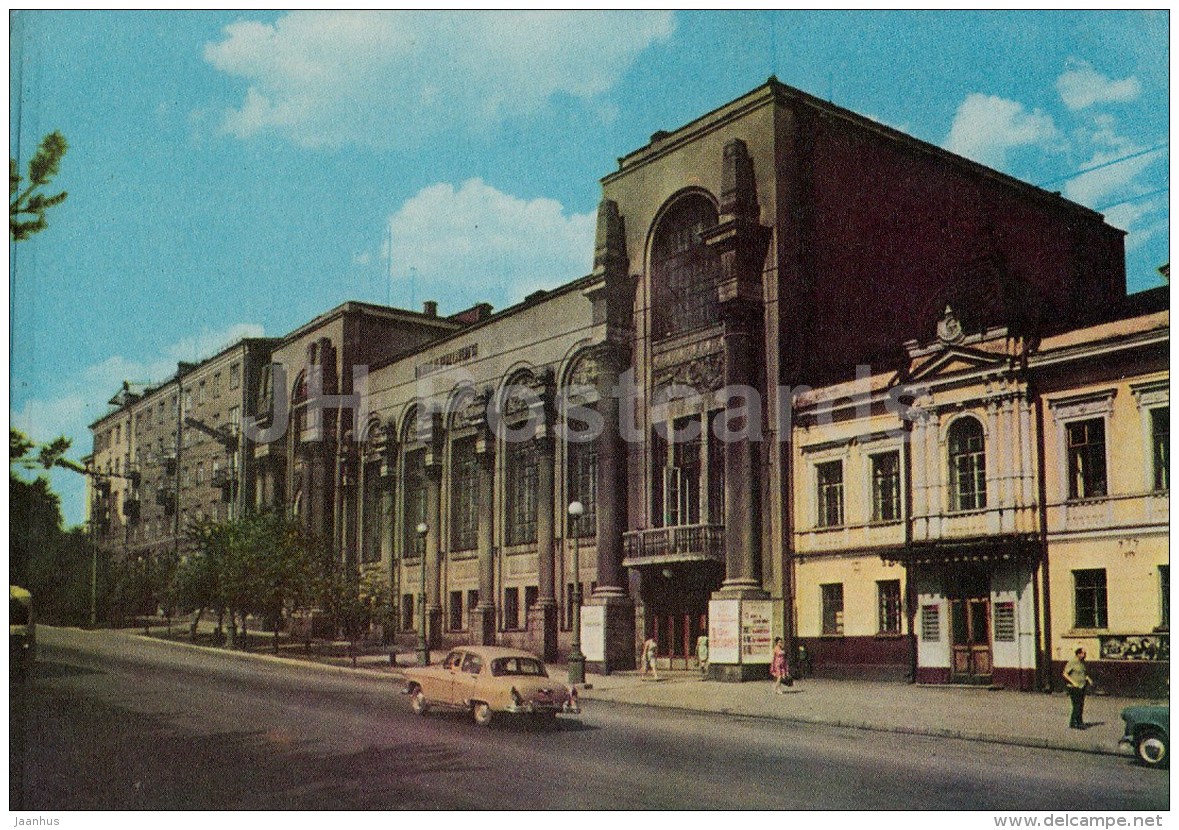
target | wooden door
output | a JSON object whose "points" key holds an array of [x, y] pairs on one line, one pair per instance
{"points": [[970, 639]]}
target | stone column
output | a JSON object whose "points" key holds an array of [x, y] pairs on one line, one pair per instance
{"points": [[433, 562], [484, 614], [545, 613], [741, 243], [612, 300]]}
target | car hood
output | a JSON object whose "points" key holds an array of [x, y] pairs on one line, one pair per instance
{"points": [[1147, 714]]}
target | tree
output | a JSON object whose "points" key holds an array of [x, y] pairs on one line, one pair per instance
{"points": [[26, 208]]}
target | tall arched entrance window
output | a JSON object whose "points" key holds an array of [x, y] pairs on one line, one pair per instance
{"points": [[684, 270], [968, 465]]}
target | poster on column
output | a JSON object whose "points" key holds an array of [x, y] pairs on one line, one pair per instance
{"points": [[593, 632], [756, 631], [724, 631]]}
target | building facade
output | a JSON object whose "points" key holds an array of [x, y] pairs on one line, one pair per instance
{"points": [[765, 280]]}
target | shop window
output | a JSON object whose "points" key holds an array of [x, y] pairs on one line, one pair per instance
{"points": [[1160, 440], [464, 496], [1089, 599], [931, 628], [531, 596], [511, 609], [830, 493], [521, 493], [968, 465], [684, 269], [456, 611], [832, 609], [472, 600], [886, 487], [888, 594], [1086, 459]]}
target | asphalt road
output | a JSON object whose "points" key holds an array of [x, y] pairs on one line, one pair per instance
{"points": [[116, 722]]}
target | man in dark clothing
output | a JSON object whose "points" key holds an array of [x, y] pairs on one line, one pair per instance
{"points": [[1077, 681]]}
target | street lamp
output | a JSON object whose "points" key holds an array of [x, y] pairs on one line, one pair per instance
{"points": [[423, 644], [576, 658]]}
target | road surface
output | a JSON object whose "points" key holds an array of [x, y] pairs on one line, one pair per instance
{"points": [[113, 721]]}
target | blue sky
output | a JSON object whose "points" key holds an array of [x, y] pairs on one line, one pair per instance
{"points": [[237, 173]]}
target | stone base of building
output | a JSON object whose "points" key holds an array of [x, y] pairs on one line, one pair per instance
{"points": [[1130, 678], [739, 672], [483, 625], [542, 628], [1022, 680], [619, 634], [852, 658]]}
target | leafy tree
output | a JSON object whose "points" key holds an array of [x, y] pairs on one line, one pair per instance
{"points": [[26, 208]]}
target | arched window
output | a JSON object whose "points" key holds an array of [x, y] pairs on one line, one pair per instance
{"points": [[684, 269], [968, 465]]}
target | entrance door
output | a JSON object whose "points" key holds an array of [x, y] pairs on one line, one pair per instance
{"points": [[971, 643], [676, 635]]}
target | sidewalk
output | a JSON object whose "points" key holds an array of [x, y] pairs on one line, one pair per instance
{"points": [[972, 713]]}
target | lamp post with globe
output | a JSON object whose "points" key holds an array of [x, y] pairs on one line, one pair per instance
{"points": [[576, 658], [423, 642]]}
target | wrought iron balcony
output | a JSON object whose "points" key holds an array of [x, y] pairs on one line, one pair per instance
{"points": [[685, 543]]}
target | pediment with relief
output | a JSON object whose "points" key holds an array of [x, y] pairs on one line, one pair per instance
{"points": [[956, 360]]}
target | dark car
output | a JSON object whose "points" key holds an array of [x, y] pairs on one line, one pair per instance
{"points": [[1148, 732]]}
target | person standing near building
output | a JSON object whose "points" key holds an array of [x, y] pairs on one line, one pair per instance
{"points": [[779, 668], [650, 648], [702, 654], [1076, 675]]}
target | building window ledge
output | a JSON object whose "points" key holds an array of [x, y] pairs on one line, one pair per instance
{"points": [[1082, 633], [889, 635]]}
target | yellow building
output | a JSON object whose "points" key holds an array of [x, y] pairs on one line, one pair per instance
{"points": [[1023, 486]]}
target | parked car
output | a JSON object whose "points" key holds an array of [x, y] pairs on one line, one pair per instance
{"points": [[488, 681], [22, 632], [1148, 732]]}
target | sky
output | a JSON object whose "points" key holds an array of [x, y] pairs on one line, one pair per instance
{"points": [[236, 174]]}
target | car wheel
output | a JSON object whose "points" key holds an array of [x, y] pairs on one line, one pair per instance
{"points": [[418, 702], [1152, 748], [481, 712]]}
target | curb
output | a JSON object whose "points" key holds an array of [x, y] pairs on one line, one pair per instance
{"points": [[1031, 743], [372, 674]]}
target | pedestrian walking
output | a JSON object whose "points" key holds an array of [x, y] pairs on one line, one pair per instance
{"points": [[702, 654], [650, 648], [1076, 676], [779, 668]]}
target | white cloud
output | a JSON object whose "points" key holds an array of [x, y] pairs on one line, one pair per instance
{"points": [[987, 127], [386, 78], [476, 243], [1097, 186], [80, 399], [1081, 86]]}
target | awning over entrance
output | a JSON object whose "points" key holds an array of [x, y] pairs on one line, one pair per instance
{"points": [[668, 545], [978, 549]]}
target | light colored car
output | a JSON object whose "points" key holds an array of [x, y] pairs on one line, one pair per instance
{"points": [[1148, 733], [487, 681]]}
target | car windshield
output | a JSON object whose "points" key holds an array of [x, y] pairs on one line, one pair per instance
{"points": [[511, 666]]}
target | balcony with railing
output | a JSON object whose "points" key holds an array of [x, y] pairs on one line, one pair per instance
{"points": [[685, 543]]}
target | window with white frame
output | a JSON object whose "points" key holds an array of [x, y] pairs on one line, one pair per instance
{"points": [[888, 593], [1086, 458], [886, 487], [968, 465], [829, 493], [1089, 599], [1160, 446], [832, 596]]}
